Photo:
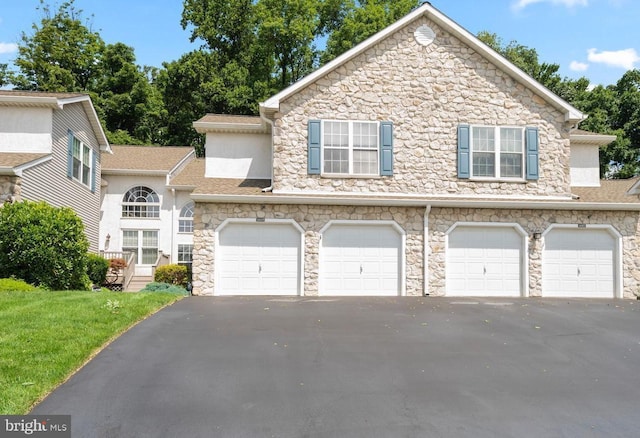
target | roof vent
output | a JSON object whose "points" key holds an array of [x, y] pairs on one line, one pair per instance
{"points": [[424, 35]]}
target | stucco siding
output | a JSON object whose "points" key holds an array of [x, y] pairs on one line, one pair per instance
{"points": [[426, 92], [49, 182]]}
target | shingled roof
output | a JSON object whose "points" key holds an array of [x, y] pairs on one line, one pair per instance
{"points": [[613, 191], [144, 159]]}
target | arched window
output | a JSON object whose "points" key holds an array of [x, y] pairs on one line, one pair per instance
{"points": [[185, 221], [141, 201]]}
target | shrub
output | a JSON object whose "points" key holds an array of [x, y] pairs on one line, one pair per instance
{"points": [[97, 267], [164, 287], [117, 263], [43, 245], [172, 274], [13, 285]]}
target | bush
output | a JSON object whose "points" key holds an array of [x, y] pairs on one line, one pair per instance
{"points": [[43, 245], [97, 267], [172, 274], [13, 285], [164, 287]]}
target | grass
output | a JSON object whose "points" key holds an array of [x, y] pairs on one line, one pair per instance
{"points": [[46, 336]]}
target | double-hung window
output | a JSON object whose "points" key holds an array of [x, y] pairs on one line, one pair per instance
{"points": [[81, 162], [144, 243], [497, 152], [185, 221], [350, 148]]}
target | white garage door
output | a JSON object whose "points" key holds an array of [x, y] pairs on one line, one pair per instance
{"points": [[258, 259], [484, 261], [360, 260], [578, 263]]}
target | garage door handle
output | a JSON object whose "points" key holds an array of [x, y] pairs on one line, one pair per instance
{"points": [[578, 271], [361, 269], [259, 269], [484, 268]]}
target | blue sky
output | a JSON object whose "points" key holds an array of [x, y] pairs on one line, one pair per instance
{"points": [[599, 39]]}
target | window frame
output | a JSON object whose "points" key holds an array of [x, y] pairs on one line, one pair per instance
{"points": [[185, 249], [497, 152], [140, 245], [151, 210], [350, 147], [185, 223], [82, 169]]}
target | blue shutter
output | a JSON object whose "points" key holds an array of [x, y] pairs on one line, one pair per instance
{"points": [[314, 163], [531, 141], [386, 148], [70, 154], [464, 154], [94, 161]]}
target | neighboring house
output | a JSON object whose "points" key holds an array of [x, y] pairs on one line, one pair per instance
{"points": [[50, 150], [419, 162], [143, 211]]}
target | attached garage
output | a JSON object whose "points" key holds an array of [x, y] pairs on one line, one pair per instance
{"points": [[485, 260], [361, 258], [258, 258], [580, 262]]}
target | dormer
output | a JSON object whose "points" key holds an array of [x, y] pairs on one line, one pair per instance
{"points": [[584, 160]]}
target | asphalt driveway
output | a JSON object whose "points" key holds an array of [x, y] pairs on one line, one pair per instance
{"points": [[365, 367]]}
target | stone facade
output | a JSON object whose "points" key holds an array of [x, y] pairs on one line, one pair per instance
{"points": [[426, 92], [10, 188], [311, 218], [209, 216]]}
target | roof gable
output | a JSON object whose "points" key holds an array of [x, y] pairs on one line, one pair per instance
{"points": [[272, 104]]}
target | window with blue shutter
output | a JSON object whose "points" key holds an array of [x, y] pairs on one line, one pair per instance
{"points": [[315, 145], [531, 140]]}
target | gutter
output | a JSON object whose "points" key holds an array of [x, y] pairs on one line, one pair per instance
{"points": [[438, 203]]}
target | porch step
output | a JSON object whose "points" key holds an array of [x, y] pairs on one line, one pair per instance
{"points": [[138, 282]]}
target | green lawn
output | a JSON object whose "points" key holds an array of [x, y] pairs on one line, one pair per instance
{"points": [[46, 336]]}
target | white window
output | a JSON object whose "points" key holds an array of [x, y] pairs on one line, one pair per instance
{"points": [[497, 152], [144, 243], [350, 148], [185, 221], [185, 253], [81, 166], [141, 202]]}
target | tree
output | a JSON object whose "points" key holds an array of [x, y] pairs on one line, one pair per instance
{"points": [[60, 55], [43, 245], [356, 21]]}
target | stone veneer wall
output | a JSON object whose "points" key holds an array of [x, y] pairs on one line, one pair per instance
{"points": [[10, 188], [426, 92], [626, 223], [311, 218]]}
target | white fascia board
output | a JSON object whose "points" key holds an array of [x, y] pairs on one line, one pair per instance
{"points": [[184, 160], [18, 169], [511, 205], [204, 127], [571, 113], [42, 101], [594, 140], [7, 171]]}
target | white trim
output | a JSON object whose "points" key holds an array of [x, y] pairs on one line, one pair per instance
{"points": [[497, 152], [524, 256], [571, 113], [17, 170], [350, 149], [204, 127], [229, 221], [402, 271], [427, 250], [592, 139], [400, 201], [617, 263]]}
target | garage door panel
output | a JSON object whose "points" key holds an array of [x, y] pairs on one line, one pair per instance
{"points": [[484, 261], [258, 259], [360, 260], [578, 263]]}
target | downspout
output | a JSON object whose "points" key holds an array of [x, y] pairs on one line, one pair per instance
{"points": [[173, 213], [425, 240], [270, 122]]}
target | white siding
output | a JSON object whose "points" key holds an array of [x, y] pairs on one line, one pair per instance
{"points": [[238, 156], [585, 166], [26, 130], [49, 182]]}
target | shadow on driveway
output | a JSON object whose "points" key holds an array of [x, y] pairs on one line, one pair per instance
{"points": [[365, 367]]}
